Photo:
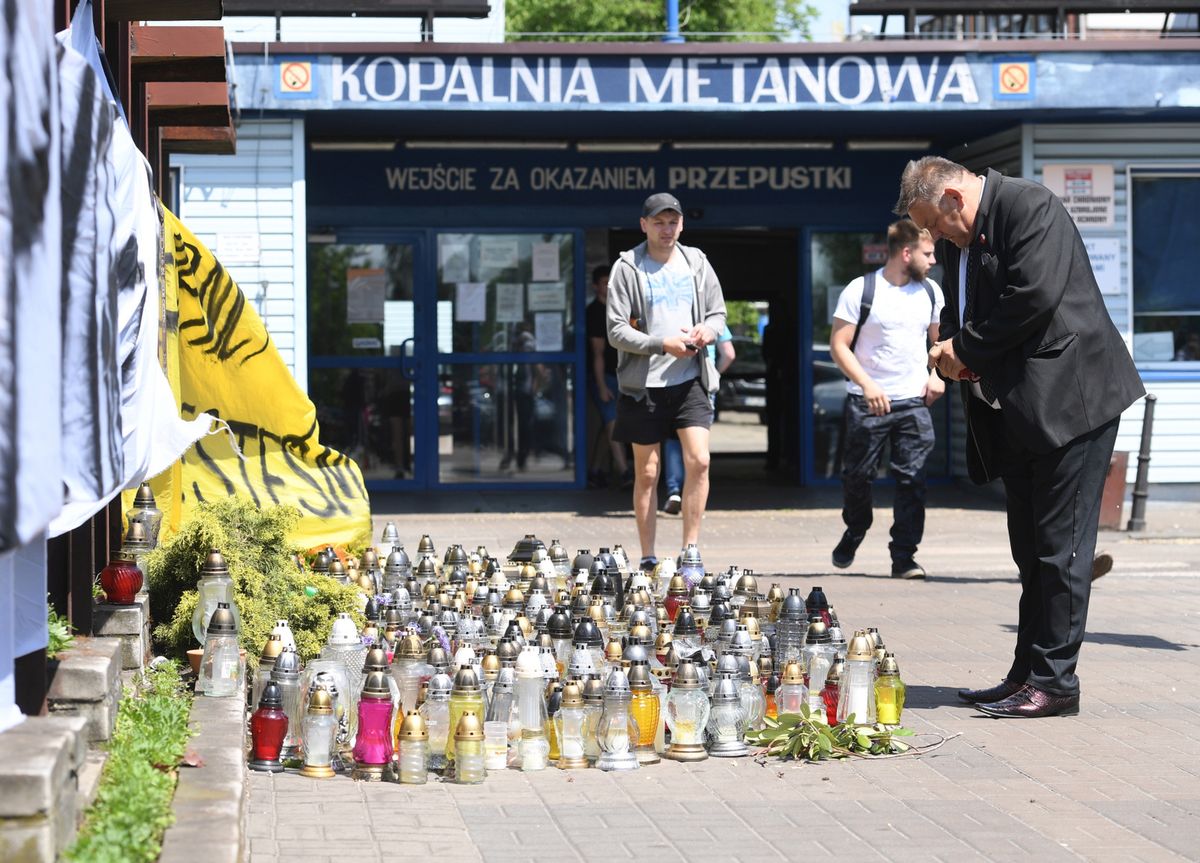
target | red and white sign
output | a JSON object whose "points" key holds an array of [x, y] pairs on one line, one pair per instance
{"points": [[295, 76], [1085, 190]]}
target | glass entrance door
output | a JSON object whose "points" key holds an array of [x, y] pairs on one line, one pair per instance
{"points": [[508, 352], [835, 259], [363, 348]]}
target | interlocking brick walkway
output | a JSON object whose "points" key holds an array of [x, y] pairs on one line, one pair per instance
{"points": [[1118, 782]]}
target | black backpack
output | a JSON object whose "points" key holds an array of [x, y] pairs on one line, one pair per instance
{"points": [[868, 297]]}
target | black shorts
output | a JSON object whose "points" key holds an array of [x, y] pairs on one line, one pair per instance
{"points": [[662, 412]]}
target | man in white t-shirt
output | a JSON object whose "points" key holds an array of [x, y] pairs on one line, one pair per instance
{"points": [[884, 357]]}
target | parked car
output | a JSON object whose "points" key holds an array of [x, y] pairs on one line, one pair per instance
{"points": [[744, 384]]}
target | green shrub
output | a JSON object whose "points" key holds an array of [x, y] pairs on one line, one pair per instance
{"points": [[132, 809], [59, 632], [267, 584]]}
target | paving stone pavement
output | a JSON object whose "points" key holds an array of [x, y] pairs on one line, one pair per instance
{"points": [[1118, 782]]}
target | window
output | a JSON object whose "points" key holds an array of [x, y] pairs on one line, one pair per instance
{"points": [[1165, 224]]}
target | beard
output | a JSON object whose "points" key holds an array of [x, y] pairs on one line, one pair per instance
{"points": [[915, 273]]}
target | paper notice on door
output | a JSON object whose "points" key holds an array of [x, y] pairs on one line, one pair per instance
{"points": [[510, 303], [548, 331], [470, 302], [545, 262], [547, 297], [455, 261], [366, 291], [498, 253]]}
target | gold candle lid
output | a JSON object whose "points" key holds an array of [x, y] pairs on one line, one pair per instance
{"points": [[469, 727], [273, 647], [320, 701], [376, 685], [413, 727], [677, 586], [613, 650], [888, 666], [572, 695], [793, 673], [860, 648], [410, 647]]}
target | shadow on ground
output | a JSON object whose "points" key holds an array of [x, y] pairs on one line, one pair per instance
{"points": [[737, 484]]}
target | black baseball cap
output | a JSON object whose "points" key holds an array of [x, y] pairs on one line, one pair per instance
{"points": [[655, 204]]}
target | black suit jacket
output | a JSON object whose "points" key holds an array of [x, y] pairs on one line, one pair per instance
{"points": [[1039, 334]]}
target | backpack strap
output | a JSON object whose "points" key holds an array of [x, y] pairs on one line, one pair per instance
{"points": [[864, 309], [929, 293]]}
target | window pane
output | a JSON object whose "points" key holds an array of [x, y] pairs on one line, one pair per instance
{"points": [[506, 422], [505, 292], [837, 259], [1166, 289], [366, 413], [360, 298]]}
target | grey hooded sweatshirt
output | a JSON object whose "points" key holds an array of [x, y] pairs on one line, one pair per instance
{"points": [[627, 317]]}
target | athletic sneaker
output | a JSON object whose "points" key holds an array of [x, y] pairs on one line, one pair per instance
{"points": [[907, 568], [843, 554], [673, 505], [648, 564]]}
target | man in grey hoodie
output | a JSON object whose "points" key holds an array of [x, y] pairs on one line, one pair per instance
{"points": [[664, 308]]}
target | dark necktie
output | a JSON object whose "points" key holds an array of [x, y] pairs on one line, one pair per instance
{"points": [[989, 394]]}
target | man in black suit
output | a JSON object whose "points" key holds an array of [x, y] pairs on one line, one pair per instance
{"points": [[1045, 379]]}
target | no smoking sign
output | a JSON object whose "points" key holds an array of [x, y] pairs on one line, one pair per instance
{"points": [[1014, 79], [295, 76]]}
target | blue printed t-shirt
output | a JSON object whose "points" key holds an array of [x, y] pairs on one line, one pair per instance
{"points": [[670, 295]]}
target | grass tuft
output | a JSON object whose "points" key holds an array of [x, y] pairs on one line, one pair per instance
{"points": [[132, 810]]}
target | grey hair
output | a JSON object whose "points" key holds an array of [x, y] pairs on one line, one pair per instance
{"points": [[925, 179]]}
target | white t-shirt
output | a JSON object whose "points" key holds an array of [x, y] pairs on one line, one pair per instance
{"points": [[892, 344], [670, 297]]}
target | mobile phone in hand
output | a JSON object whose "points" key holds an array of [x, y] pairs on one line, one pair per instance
{"points": [[691, 346]]}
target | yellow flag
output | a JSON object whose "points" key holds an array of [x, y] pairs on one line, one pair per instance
{"points": [[220, 360]]}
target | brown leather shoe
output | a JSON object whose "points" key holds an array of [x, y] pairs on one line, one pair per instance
{"points": [[1032, 703], [1102, 565], [987, 696]]}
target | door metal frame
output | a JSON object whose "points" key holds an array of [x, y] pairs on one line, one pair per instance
{"points": [[426, 360], [420, 243], [574, 356], [807, 355]]}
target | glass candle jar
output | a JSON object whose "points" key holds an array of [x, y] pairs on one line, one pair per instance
{"points": [[469, 766], [467, 694], [436, 713], [687, 714], [413, 744], [889, 692], [121, 580], [645, 709], [220, 666], [373, 744], [266, 664], [286, 674], [569, 725], [213, 587], [268, 727], [145, 512], [727, 720], [495, 744], [792, 694], [534, 748], [857, 694], [617, 730], [832, 691], [318, 735]]}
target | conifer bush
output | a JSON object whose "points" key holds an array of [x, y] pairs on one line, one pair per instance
{"points": [[267, 583]]}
